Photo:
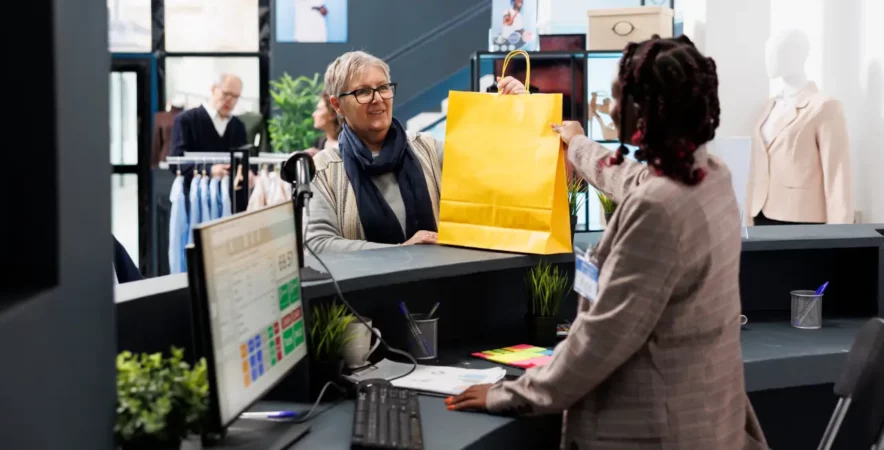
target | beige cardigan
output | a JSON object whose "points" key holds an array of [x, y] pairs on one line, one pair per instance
{"points": [[334, 223], [804, 174]]}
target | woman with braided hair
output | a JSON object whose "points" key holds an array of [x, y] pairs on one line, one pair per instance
{"points": [[652, 360]]}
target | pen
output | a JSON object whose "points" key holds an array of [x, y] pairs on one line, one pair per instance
{"points": [[415, 330], [269, 415], [822, 288], [433, 310]]}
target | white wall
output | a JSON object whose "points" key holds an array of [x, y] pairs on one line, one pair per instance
{"points": [[846, 61], [735, 33]]}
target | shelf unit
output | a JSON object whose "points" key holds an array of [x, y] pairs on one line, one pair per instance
{"points": [[577, 93]]}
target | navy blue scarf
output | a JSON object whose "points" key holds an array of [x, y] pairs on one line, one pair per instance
{"points": [[378, 220]]}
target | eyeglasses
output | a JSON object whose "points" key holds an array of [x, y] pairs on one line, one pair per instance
{"points": [[229, 95], [366, 95]]}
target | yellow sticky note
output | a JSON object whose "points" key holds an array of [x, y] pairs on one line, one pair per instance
{"points": [[508, 358]]}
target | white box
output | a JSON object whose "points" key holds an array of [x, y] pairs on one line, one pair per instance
{"points": [[612, 29]]}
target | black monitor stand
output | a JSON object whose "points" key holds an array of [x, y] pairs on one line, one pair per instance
{"points": [[264, 434], [300, 176]]}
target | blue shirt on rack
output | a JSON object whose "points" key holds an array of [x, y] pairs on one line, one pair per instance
{"points": [[178, 227], [194, 206]]}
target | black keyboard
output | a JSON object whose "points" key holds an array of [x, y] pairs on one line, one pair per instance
{"points": [[386, 417]]}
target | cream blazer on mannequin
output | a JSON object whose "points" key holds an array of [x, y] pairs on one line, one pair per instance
{"points": [[803, 174]]}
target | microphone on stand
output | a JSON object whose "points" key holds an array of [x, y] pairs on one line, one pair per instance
{"points": [[299, 171]]}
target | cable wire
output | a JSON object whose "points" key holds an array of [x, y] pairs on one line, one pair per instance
{"points": [[361, 320]]}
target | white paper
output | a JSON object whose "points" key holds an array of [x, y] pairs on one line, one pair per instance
{"points": [[434, 379]]}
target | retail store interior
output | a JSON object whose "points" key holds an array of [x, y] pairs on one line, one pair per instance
{"points": [[445, 224]]}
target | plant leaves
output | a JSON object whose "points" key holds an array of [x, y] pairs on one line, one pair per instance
{"points": [[294, 100]]}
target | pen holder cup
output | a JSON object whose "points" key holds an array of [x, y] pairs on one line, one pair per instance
{"points": [[807, 310], [429, 330]]}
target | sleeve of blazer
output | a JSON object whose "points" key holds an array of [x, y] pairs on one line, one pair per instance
{"points": [[635, 283], [834, 147], [588, 157]]}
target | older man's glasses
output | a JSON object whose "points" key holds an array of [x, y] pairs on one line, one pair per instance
{"points": [[366, 95]]}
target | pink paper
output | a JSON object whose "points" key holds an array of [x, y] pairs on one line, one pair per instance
{"points": [[520, 347], [533, 362]]}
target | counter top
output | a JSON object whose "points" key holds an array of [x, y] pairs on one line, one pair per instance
{"points": [[775, 354], [382, 267], [792, 237], [442, 429]]}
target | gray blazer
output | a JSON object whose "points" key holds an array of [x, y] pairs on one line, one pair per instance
{"points": [[654, 362]]}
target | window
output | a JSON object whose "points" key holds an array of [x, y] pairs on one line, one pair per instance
{"points": [[206, 26], [192, 77], [124, 212], [129, 26], [123, 118]]}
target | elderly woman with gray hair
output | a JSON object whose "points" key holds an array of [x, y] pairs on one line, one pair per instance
{"points": [[380, 186]]}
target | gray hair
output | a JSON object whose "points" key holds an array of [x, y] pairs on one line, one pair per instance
{"points": [[346, 66], [222, 77]]}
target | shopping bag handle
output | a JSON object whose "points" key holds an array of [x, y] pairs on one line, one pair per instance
{"points": [[527, 66]]}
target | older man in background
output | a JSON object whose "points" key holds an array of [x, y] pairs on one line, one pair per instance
{"points": [[211, 127]]}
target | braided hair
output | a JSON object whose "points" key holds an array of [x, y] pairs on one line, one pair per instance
{"points": [[676, 90]]}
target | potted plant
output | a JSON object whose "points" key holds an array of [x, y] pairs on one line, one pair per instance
{"points": [[608, 205], [160, 401], [576, 199], [548, 286], [294, 100], [328, 335]]}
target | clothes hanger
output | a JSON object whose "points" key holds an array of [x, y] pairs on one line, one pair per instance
{"points": [[237, 181]]}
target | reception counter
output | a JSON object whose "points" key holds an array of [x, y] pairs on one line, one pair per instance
{"points": [[484, 301]]}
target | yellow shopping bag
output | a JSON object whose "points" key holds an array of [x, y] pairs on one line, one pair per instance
{"points": [[503, 177]]}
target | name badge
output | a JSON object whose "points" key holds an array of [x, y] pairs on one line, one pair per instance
{"points": [[586, 278]]}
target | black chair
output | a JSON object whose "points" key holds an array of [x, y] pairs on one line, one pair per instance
{"points": [[861, 389]]}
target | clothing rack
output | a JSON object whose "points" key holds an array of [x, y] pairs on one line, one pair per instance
{"points": [[235, 158]]}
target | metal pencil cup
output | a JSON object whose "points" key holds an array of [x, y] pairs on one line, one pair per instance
{"points": [[807, 310], [429, 331]]}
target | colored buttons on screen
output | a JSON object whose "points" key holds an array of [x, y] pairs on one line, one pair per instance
{"points": [[299, 332]]}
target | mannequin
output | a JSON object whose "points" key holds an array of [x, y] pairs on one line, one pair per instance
{"points": [[800, 162]]}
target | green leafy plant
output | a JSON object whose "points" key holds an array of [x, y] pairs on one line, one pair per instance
{"points": [[575, 189], [548, 286], [160, 401], [608, 205], [328, 330], [294, 99]]}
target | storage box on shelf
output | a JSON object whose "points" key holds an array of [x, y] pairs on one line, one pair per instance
{"points": [[612, 29]]}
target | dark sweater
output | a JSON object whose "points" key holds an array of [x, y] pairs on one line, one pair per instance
{"points": [[194, 131]]}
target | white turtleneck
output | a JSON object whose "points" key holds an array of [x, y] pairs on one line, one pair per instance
{"points": [[792, 87]]}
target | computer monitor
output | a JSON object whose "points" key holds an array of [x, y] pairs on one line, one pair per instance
{"points": [[246, 294]]}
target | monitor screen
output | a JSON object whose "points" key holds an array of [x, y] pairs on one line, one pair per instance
{"points": [[254, 331]]}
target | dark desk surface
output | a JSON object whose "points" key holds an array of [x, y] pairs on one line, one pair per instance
{"points": [[376, 268], [775, 355], [382, 267], [792, 237], [442, 429]]}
